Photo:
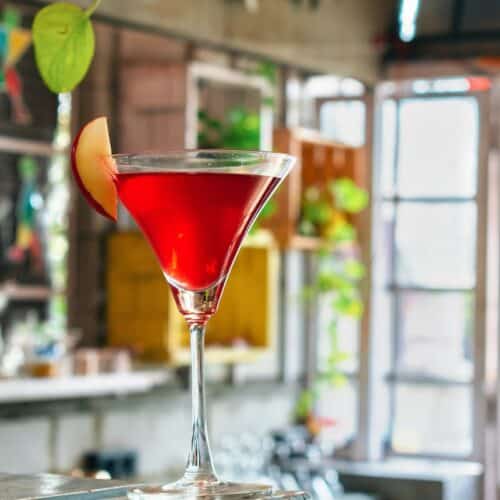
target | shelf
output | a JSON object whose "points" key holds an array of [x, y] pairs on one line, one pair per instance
{"points": [[311, 243], [20, 292], [27, 389], [141, 311], [27, 146]]}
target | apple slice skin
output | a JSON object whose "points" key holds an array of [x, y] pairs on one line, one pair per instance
{"points": [[90, 199]]}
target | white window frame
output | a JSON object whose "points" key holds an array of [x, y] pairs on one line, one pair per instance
{"points": [[375, 400]]}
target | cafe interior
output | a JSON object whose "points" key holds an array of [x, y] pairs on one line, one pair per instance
{"points": [[354, 353]]}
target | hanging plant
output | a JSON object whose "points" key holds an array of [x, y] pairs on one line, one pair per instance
{"points": [[326, 214]]}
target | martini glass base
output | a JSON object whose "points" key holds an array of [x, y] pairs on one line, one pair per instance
{"points": [[200, 489]]}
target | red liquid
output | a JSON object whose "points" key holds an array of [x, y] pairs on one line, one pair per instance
{"points": [[194, 221]]}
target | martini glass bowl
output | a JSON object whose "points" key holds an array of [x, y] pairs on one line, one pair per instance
{"points": [[195, 208]]}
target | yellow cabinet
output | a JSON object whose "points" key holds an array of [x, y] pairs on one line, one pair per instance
{"points": [[141, 312]]}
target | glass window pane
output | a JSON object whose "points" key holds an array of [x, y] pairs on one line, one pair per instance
{"points": [[339, 404], [343, 121], [435, 244], [436, 334], [387, 140], [438, 146], [432, 419]]}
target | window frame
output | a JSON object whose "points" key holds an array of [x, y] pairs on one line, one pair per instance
{"points": [[381, 382]]}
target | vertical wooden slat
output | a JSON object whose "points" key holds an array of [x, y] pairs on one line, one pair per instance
{"points": [[95, 97], [479, 396], [372, 397]]}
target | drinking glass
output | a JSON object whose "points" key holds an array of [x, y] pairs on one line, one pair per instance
{"points": [[195, 208]]}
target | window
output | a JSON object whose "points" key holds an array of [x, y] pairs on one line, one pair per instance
{"points": [[427, 267], [343, 121]]}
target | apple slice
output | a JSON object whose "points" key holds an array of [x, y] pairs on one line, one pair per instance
{"points": [[93, 167]]}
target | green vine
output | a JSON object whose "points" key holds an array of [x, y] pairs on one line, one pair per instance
{"points": [[326, 213]]}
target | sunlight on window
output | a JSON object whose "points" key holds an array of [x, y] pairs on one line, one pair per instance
{"points": [[429, 150], [343, 121], [438, 147], [433, 420]]}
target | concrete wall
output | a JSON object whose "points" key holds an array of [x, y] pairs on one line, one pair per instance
{"points": [[342, 36], [53, 437]]}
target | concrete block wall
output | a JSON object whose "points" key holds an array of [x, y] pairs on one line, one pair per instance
{"points": [[157, 425], [25, 445]]}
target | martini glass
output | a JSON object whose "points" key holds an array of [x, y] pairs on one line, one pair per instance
{"points": [[195, 208]]}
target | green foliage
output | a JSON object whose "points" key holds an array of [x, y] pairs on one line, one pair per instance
{"points": [[348, 303], [11, 18], [269, 71], [331, 281], [243, 130], [63, 38], [306, 400], [354, 269], [210, 131], [240, 130], [326, 213], [344, 232], [315, 209], [348, 197]]}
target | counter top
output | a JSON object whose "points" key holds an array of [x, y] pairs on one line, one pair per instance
{"points": [[28, 389], [54, 487]]}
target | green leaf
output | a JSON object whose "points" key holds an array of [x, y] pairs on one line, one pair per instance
{"points": [[202, 116], [333, 377], [317, 212], [348, 196], [304, 404], [338, 379], [348, 304], [338, 357], [342, 233], [329, 281], [64, 45], [354, 269], [269, 71]]}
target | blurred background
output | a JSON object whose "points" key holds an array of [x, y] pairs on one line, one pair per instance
{"points": [[355, 350]]}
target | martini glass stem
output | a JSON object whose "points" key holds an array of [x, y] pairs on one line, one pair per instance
{"points": [[199, 469]]}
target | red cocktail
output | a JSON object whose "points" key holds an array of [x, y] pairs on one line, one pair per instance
{"points": [[195, 207], [195, 222]]}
